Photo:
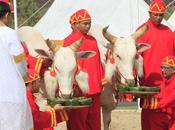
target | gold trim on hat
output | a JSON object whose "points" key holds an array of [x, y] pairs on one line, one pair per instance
{"points": [[168, 61], [160, 9]]}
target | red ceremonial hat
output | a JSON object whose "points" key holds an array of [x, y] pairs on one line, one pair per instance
{"points": [[34, 67], [10, 4], [169, 60], [80, 15], [157, 6]]}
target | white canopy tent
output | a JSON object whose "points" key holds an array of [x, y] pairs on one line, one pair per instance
{"points": [[171, 21], [123, 16]]}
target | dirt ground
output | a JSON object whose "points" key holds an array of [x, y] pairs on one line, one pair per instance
{"points": [[121, 120]]}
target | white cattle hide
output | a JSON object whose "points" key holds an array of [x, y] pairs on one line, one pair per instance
{"points": [[66, 66], [123, 51]]}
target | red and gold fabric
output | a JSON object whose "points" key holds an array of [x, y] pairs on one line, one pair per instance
{"points": [[167, 95], [162, 44], [79, 16], [44, 120], [34, 66], [157, 6], [165, 117], [150, 103], [10, 3]]}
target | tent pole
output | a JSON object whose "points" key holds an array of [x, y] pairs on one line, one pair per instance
{"points": [[15, 14]]}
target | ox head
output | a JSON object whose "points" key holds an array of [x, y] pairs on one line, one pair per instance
{"points": [[123, 53], [64, 62]]}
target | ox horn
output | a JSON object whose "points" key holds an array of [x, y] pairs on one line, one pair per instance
{"points": [[54, 46], [76, 45], [139, 32], [112, 39]]}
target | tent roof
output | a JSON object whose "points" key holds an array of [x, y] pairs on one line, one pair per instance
{"points": [[123, 16]]}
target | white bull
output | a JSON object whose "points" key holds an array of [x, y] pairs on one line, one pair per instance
{"points": [[123, 52], [64, 63], [64, 59]]}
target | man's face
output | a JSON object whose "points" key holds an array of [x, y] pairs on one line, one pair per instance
{"points": [[167, 71], [156, 18], [83, 26]]}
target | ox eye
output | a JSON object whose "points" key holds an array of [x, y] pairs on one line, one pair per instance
{"points": [[56, 69], [118, 57]]}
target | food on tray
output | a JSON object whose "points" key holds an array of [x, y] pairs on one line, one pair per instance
{"points": [[140, 88], [77, 101]]}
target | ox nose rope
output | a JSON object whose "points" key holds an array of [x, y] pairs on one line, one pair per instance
{"points": [[120, 74]]}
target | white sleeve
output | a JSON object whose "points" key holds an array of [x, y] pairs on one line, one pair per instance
{"points": [[15, 49]]}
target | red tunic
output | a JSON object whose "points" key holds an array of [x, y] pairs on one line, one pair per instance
{"points": [[162, 44], [164, 118], [167, 96], [42, 120], [92, 65]]}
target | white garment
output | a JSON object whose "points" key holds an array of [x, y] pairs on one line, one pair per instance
{"points": [[14, 108]]}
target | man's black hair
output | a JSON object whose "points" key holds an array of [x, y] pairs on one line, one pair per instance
{"points": [[4, 8]]}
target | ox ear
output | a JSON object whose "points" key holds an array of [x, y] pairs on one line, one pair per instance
{"points": [[85, 54], [141, 47], [41, 52]]}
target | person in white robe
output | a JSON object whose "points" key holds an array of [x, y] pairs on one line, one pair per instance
{"points": [[15, 113]]}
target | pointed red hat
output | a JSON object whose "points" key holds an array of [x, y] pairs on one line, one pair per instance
{"points": [[80, 15], [10, 4], [33, 67], [157, 6], [169, 60]]}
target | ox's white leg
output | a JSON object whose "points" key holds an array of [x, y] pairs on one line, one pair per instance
{"points": [[108, 104]]}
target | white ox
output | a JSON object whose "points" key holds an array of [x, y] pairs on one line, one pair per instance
{"points": [[123, 52], [64, 62]]}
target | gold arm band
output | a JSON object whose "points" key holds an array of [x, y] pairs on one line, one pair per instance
{"points": [[19, 58]]}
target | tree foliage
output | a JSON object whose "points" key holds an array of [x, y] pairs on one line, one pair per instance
{"points": [[27, 8], [26, 12]]}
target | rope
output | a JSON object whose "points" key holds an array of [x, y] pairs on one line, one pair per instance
{"points": [[35, 13]]}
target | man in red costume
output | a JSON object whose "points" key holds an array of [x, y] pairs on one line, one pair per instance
{"points": [[46, 120], [164, 117], [160, 38], [86, 118]]}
